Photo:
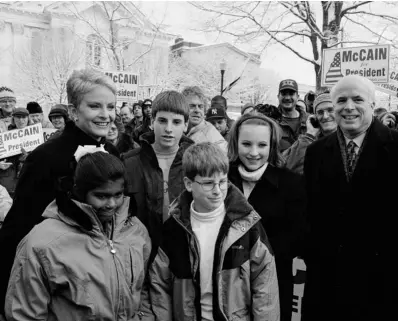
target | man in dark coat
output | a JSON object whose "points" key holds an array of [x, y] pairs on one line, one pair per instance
{"points": [[351, 253], [48, 170]]}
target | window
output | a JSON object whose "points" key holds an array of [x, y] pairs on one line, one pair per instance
{"points": [[93, 51]]}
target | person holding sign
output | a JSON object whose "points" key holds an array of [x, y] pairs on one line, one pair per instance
{"points": [[48, 170], [351, 246], [10, 167]]}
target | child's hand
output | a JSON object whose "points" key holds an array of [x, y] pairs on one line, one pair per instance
{"points": [[4, 165]]}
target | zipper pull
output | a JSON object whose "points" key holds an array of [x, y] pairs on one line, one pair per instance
{"points": [[113, 251]]}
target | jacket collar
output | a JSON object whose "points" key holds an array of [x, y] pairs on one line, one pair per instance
{"points": [[197, 128], [377, 131], [75, 213], [80, 136], [236, 206], [270, 174], [148, 139]]}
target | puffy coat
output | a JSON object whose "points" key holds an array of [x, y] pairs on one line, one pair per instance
{"points": [[245, 285], [206, 132], [66, 270], [47, 170], [5, 203], [146, 183]]}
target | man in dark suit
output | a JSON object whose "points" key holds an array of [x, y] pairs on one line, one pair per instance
{"points": [[351, 274]]}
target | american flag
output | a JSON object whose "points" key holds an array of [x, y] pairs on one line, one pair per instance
{"points": [[334, 73]]}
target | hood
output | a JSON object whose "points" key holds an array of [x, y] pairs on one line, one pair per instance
{"points": [[81, 215], [236, 206]]}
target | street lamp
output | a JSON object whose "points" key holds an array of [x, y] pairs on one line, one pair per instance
{"points": [[223, 66]]}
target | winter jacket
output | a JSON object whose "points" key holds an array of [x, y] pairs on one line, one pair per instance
{"points": [[279, 198], [294, 155], [288, 136], [145, 127], [9, 177], [206, 132], [64, 270], [7, 120], [351, 254], [245, 285], [131, 126], [5, 203], [146, 183], [3, 126], [48, 169]]}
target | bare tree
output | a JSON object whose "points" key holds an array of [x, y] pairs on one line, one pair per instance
{"points": [[119, 15], [319, 25], [42, 72], [182, 73]]}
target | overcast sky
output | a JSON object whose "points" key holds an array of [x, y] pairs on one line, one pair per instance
{"points": [[183, 19]]}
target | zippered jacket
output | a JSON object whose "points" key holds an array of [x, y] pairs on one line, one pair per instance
{"points": [[245, 285], [70, 268]]}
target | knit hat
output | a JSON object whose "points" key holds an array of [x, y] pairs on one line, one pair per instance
{"points": [[59, 110], [20, 112], [7, 93], [322, 98], [216, 113], [246, 106], [34, 108]]}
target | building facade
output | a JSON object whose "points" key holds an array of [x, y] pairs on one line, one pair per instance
{"points": [[41, 43]]}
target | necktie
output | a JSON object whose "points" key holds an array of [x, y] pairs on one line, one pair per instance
{"points": [[351, 157]]}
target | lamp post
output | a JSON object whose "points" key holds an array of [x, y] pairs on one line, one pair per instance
{"points": [[223, 66]]}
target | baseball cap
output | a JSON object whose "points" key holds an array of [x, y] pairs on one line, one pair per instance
{"points": [[20, 112], [288, 84], [216, 112]]}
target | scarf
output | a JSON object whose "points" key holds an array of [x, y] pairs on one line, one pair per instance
{"points": [[250, 179]]}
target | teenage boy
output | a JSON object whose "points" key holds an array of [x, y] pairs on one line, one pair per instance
{"points": [[155, 169], [218, 118], [214, 262]]}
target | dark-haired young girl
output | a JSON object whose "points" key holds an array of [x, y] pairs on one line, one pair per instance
{"points": [[275, 193], [87, 259]]}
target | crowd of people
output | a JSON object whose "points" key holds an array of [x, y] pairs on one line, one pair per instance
{"points": [[170, 210]]}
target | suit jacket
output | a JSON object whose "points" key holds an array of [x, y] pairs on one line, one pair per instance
{"points": [[279, 198], [351, 273]]}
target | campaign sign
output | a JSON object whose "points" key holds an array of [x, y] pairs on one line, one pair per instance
{"points": [[28, 138], [48, 132], [371, 62], [392, 87], [126, 84]]}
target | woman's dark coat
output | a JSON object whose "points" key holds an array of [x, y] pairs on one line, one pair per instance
{"points": [[47, 171], [280, 200]]}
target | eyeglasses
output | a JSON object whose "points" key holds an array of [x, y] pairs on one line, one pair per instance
{"points": [[209, 186], [321, 112]]}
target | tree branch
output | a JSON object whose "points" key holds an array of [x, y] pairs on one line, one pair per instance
{"points": [[353, 7], [379, 15]]}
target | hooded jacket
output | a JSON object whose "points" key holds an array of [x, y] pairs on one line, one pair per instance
{"points": [[146, 182], [245, 285], [206, 132], [70, 269], [47, 170]]}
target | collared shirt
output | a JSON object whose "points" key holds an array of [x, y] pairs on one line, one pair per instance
{"points": [[357, 140]]}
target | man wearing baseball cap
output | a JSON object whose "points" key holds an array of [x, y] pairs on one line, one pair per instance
{"points": [[218, 118], [293, 120]]}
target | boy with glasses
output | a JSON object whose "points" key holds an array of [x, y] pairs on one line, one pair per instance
{"points": [[214, 262]]}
